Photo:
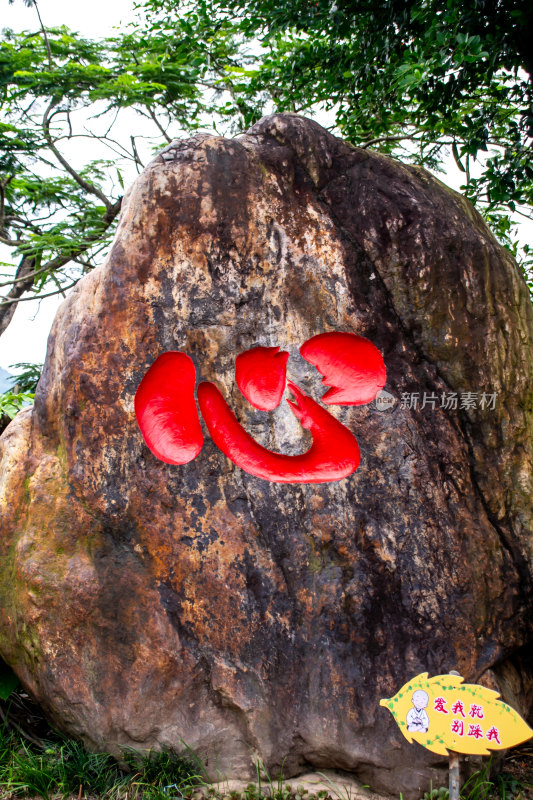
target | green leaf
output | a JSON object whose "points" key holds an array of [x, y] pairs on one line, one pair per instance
{"points": [[8, 680], [13, 402]]}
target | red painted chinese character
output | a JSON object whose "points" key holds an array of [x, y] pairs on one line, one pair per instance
{"points": [[458, 726], [458, 708], [351, 366], [440, 702], [493, 734], [475, 731], [476, 711]]}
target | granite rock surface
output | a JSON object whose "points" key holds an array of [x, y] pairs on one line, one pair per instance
{"points": [[145, 604]]}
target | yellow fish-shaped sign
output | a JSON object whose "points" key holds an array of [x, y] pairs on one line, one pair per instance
{"points": [[443, 713]]}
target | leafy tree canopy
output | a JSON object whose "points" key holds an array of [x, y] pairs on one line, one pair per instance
{"points": [[57, 89], [421, 79]]}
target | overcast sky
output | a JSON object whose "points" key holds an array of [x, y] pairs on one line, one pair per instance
{"points": [[25, 338], [94, 18]]}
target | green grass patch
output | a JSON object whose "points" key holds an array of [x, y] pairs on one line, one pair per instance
{"points": [[481, 786], [64, 768]]}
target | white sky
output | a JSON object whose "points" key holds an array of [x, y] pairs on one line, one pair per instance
{"points": [[26, 337], [94, 19]]}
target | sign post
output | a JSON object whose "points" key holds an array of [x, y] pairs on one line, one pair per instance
{"points": [[454, 775], [450, 717], [454, 767]]}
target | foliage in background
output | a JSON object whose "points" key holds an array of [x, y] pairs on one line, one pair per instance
{"points": [[419, 79], [13, 402], [8, 680], [28, 378], [58, 210], [22, 393]]}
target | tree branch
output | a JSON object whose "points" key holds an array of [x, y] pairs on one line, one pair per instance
{"points": [[87, 185], [25, 277], [2, 204], [43, 29], [380, 139], [8, 306], [163, 131], [87, 264], [26, 271], [61, 290], [9, 242], [138, 161], [523, 214]]}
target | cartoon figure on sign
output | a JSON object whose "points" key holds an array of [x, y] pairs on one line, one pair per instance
{"points": [[417, 718], [465, 718], [352, 368]]}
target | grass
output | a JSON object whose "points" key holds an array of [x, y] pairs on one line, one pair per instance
{"points": [[63, 768], [480, 786]]}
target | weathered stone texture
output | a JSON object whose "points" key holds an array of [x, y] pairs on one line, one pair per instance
{"points": [[145, 604]]}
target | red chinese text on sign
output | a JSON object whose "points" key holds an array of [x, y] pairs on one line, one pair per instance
{"points": [[493, 734], [475, 731], [440, 702], [458, 727], [458, 708]]}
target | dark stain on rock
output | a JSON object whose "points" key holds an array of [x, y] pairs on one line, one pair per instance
{"points": [[275, 611]]}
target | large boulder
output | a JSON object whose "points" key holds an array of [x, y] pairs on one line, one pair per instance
{"points": [[145, 604]]}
